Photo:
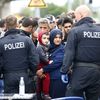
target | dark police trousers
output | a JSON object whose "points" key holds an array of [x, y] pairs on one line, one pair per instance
{"points": [[11, 82], [85, 79]]}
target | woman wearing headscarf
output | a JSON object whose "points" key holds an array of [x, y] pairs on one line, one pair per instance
{"points": [[56, 54]]}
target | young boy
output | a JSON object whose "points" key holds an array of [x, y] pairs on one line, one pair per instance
{"points": [[44, 81]]}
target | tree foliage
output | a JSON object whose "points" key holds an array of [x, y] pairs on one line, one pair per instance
{"points": [[76, 3], [52, 9], [27, 12]]}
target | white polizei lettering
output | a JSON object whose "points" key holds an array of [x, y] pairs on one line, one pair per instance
{"points": [[17, 45], [8, 46], [85, 34], [91, 34], [22, 45], [13, 47], [97, 34], [5, 46]]}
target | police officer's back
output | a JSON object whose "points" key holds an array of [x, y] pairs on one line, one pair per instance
{"points": [[83, 50], [18, 55]]}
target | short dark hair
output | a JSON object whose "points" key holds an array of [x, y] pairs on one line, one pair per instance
{"points": [[67, 20], [59, 22], [27, 22], [11, 22], [35, 22], [20, 21]]}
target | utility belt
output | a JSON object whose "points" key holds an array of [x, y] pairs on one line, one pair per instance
{"points": [[83, 64], [15, 71]]}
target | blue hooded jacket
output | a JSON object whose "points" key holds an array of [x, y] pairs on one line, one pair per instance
{"points": [[56, 55]]}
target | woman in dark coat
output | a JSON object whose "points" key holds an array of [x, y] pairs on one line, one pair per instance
{"points": [[56, 51]]}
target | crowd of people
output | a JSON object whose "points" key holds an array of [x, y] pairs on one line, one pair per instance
{"points": [[57, 57]]}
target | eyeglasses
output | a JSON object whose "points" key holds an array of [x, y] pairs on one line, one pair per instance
{"points": [[68, 26]]}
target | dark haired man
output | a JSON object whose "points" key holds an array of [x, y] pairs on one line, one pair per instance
{"points": [[66, 26], [27, 26]]}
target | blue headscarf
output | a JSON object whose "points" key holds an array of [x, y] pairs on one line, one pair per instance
{"points": [[53, 34]]}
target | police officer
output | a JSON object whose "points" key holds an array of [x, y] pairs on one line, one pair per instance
{"points": [[83, 51], [18, 54]]}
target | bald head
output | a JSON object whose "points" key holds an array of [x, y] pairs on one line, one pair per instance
{"points": [[81, 12]]}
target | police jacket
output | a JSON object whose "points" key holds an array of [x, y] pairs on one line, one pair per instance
{"points": [[18, 52], [83, 44]]}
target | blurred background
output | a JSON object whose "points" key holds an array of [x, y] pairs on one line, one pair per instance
{"points": [[55, 7]]}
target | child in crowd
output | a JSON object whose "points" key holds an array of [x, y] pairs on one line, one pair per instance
{"points": [[44, 81]]}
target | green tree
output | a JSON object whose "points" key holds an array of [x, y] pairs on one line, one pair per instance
{"points": [[52, 9], [76, 3], [27, 12]]}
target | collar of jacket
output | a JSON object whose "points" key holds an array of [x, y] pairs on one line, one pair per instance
{"points": [[12, 31], [84, 20], [54, 48], [25, 33]]}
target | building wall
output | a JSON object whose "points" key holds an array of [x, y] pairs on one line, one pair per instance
{"points": [[5, 10]]}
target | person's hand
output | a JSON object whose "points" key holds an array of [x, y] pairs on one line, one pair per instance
{"points": [[43, 76], [64, 78], [51, 61], [70, 70], [39, 72]]}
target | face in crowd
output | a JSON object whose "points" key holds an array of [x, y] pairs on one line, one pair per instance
{"points": [[43, 24], [44, 27], [45, 39], [67, 27], [57, 39]]}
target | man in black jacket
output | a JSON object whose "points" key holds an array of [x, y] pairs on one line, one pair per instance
{"points": [[18, 54], [83, 50], [27, 30]]}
